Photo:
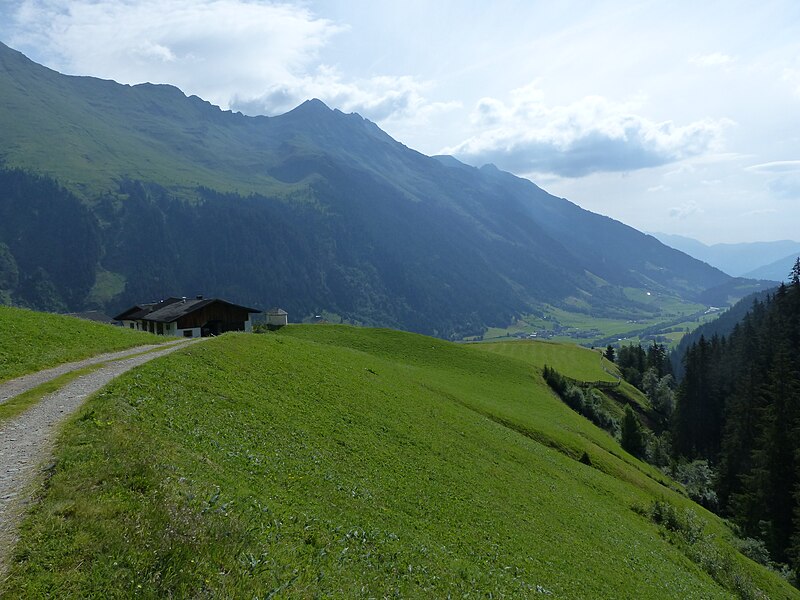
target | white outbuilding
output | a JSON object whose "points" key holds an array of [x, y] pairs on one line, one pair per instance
{"points": [[277, 317]]}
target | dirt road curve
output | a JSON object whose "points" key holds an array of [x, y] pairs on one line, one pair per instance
{"points": [[14, 387], [26, 441]]}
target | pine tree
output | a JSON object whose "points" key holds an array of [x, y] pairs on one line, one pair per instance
{"points": [[609, 354], [631, 435]]}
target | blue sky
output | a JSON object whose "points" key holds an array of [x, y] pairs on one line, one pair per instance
{"points": [[670, 116]]}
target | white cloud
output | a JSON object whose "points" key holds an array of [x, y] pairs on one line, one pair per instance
{"points": [[206, 48], [759, 212], [716, 59], [685, 210], [775, 167], [378, 98], [784, 177], [591, 135], [261, 58]]}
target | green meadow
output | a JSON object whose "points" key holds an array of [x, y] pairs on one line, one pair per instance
{"points": [[570, 360], [30, 341], [326, 461], [661, 315]]}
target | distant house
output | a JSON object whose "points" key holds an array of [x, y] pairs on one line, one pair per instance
{"points": [[277, 317], [181, 317]]}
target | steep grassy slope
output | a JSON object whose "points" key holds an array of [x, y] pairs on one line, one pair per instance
{"points": [[577, 363], [335, 462], [567, 359], [30, 341]]}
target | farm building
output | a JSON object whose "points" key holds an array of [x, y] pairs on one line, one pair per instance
{"points": [[277, 317], [181, 317]]}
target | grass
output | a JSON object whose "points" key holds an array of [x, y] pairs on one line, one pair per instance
{"points": [[575, 362], [329, 461], [660, 314], [30, 341], [107, 285], [567, 359]]}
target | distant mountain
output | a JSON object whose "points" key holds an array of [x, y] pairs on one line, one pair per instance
{"points": [[776, 271], [754, 259], [113, 194]]}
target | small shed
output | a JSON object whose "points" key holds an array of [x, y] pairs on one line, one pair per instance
{"points": [[277, 317]]}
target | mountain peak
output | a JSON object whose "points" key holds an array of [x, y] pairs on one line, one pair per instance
{"points": [[312, 106]]}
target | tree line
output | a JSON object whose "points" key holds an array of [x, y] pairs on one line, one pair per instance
{"points": [[730, 429], [738, 407]]}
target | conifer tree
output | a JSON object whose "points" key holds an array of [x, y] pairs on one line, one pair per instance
{"points": [[631, 435]]}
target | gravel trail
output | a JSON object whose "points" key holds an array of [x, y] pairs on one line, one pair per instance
{"points": [[14, 387], [26, 441]]}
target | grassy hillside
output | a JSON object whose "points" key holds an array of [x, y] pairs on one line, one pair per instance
{"points": [[30, 341], [567, 359], [577, 363], [326, 461]]}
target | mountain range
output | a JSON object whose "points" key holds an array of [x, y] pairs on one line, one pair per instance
{"points": [[113, 194], [755, 260]]}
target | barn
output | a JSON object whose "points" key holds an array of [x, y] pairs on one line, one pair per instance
{"points": [[182, 317]]}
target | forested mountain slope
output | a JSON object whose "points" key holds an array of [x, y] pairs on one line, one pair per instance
{"points": [[738, 406], [117, 194]]}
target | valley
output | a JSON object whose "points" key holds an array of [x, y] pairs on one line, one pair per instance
{"points": [[316, 210], [304, 299]]}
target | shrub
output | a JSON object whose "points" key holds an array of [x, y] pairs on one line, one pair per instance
{"points": [[688, 533], [588, 403], [698, 479]]}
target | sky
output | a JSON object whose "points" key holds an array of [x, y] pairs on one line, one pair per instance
{"points": [[671, 116]]}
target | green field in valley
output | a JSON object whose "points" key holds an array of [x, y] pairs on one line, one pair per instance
{"points": [[331, 461], [30, 341], [662, 318]]}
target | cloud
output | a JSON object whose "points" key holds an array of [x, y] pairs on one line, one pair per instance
{"points": [[591, 135], [257, 57], [378, 98], [786, 187], [759, 212], [207, 48], [776, 167], [685, 210], [784, 177], [716, 59]]}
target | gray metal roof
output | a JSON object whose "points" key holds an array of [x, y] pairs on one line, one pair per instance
{"points": [[172, 309]]}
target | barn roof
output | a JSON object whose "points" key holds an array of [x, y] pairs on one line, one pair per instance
{"points": [[172, 309], [276, 311]]}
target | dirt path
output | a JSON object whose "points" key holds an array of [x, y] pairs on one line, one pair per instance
{"points": [[26, 441], [13, 387]]}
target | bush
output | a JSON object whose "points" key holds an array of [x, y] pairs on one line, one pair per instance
{"points": [[755, 550], [684, 522], [698, 479], [688, 534], [588, 403]]}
